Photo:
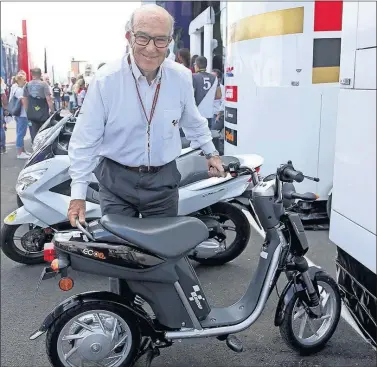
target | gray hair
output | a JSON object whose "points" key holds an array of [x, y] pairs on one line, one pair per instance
{"points": [[130, 23]]}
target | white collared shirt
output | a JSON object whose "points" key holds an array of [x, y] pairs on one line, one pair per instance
{"points": [[112, 124]]}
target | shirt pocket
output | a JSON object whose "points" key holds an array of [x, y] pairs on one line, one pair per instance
{"points": [[171, 118]]}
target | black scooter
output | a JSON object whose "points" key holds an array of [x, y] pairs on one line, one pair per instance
{"points": [[157, 297]]}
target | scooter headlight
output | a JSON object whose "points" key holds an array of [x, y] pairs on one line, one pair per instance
{"points": [[27, 179]]}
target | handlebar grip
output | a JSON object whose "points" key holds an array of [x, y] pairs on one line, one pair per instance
{"points": [[293, 174]]}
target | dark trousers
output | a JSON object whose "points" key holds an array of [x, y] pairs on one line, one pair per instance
{"points": [[35, 126], [123, 191]]}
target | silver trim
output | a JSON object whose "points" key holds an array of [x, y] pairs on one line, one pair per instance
{"points": [[188, 307], [36, 335], [203, 333]]}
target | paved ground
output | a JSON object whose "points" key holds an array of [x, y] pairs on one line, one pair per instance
{"points": [[22, 311]]}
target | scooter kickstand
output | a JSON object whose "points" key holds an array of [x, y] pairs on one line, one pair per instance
{"points": [[151, 354], [234, 344]]}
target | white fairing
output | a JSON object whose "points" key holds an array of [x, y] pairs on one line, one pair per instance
{"points": [[44, 207], [353, 215], [281, 114]]}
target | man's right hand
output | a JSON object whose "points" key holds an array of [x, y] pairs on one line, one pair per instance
{"points": [[76, 210]]}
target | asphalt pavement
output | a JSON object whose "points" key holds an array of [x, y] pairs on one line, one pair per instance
{"points": [[22, 309]]}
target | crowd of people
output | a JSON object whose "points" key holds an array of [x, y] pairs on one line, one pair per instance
{"points": [[21, 99]]}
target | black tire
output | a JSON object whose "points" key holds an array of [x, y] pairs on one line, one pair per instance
{"points": [[287, 332], [11, 251], [242, 234], [55, 329]]}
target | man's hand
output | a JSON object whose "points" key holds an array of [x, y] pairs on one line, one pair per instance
{"points": [[215, 167], [76, 210]]}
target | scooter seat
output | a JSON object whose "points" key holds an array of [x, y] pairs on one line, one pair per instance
{"points": [[165, 237], [195, 168]]}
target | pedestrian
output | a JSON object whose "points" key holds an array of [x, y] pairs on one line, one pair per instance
{"points": [[192, 63], [3, 108], [183, 57], [130, 120], [206, 89], [65, 96], [71, 93], [218, 105], [21, 120], [37, 101], [56, 92], [80, 91]]}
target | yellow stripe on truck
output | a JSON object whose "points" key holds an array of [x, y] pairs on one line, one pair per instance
{"points": [[274, 23], [326, 75]]}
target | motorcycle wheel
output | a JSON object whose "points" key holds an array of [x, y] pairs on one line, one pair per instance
{"points": [[312, 334], [18, 255], [98, 331], [230, 212]]}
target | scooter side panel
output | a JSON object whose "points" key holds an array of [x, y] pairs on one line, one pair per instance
{"points": [[193, 200], [155, 285], [22, 216]]}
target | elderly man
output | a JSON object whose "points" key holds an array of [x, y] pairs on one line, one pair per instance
{"points": [[130, 119]]}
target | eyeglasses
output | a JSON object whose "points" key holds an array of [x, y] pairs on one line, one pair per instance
{"points": [[159, 41]]}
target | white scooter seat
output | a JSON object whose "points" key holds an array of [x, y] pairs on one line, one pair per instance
{"points": [[165, 237], [195, 168]]}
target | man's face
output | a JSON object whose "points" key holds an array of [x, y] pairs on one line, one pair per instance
{"points": [[149, 57]]}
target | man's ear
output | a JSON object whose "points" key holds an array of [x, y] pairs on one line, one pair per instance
{"points": [[128, 36]]}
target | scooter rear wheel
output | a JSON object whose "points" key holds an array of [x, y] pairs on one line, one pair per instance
{"points": [[225, 212], [307, 334], [99, 332], [22, 256]]}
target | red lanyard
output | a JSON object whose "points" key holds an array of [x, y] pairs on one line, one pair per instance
{"points": [[155, 98]]}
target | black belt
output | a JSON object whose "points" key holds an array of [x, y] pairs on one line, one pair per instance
{"points": [[144, 169], [141, 169]]}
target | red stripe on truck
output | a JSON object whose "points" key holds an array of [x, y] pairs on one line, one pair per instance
{"points": [[328, 16]]}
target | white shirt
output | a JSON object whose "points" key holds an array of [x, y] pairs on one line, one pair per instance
{"points": [[219, 103], [111, 122], [18, 92]]}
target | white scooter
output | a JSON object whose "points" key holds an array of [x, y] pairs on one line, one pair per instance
{"points": [[43, 187]]}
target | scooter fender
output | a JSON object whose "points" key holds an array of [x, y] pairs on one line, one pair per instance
{"points": [[82, 298], [22, 216], [295, 287]]}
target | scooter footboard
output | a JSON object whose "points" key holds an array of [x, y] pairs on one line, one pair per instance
{"points": [[175, 305]]}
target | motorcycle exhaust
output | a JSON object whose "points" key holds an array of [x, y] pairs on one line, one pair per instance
{"points": [[207, 249]]}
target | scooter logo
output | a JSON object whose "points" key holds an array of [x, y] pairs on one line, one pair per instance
{"points": [[93, 253], [196, 297]]}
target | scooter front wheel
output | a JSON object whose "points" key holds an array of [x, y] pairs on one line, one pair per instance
{"points": [[308, 334], [98, 333]]}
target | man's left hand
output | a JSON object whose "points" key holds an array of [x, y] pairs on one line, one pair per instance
{"points": [[215, 167]]}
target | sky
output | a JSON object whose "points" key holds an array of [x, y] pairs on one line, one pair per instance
{"points": [[91, 31]]}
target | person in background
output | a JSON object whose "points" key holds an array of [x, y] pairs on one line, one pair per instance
{"points": [[183, 57], [218, 105], [3, 107], [206, 89], [192, 64], [80, 91], [21, 120], [46, 79], [37, 89], [65, 96], [56, 91], [71, 93]]}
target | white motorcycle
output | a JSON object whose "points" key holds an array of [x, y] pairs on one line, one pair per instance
{"points": [[43, 189]]}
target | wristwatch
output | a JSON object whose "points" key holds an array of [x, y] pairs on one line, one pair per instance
{"points": [[215, 153]]}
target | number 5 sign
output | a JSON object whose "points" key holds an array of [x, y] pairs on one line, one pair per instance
{"points": [[231, 93]]}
